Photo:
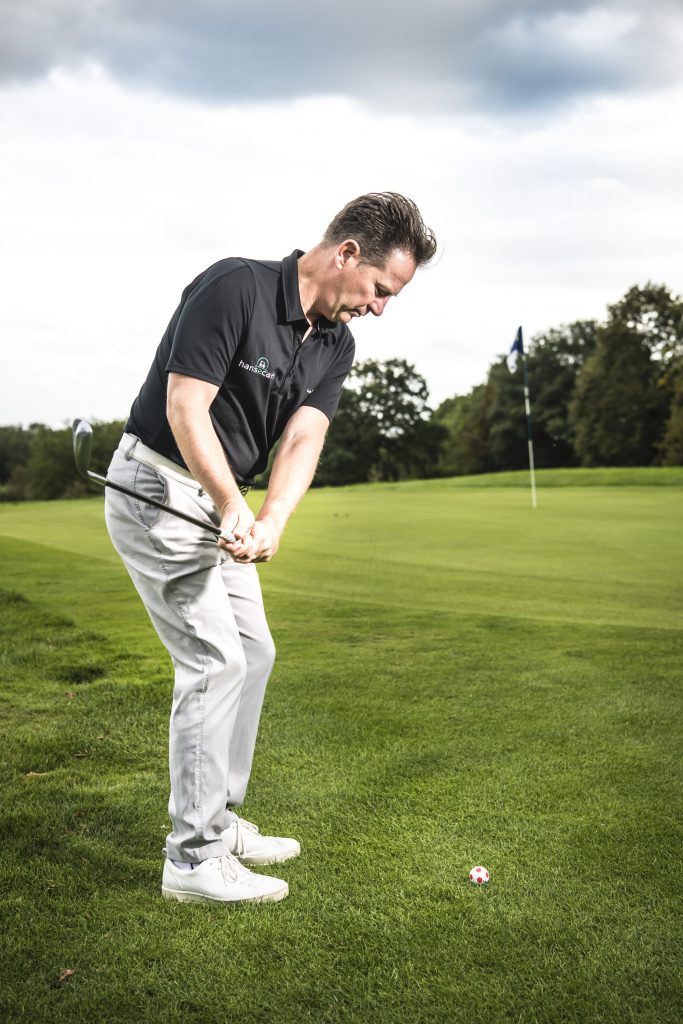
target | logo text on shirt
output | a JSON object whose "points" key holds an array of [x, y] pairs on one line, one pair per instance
{"points": [[261, 368]]}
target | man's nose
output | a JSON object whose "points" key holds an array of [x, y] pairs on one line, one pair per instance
{"points": [[376, 307]]}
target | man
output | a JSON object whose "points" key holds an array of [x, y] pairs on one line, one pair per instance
{"points": [[255, 353]]}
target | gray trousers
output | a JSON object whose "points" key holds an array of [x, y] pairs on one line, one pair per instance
{"points": [[208, 613]]}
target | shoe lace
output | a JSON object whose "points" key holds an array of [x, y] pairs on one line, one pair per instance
{"points": [[247, 826], [231, 868]]}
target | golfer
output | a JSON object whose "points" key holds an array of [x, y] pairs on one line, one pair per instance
{"points": [[256, 352]]}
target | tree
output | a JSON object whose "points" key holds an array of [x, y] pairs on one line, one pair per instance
{"points": [[672, 442], [50, 471], [653, 313], [555, 360], [395, 396], [466, 420], [383, 429], [352, 444], [15, 446], [621, 403], [38, 464], [487, 429], [507, 433], [617, 412]]}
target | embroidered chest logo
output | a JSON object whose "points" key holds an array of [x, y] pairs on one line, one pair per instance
{"points": [[262, 367]]}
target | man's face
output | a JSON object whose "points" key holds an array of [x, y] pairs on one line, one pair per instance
{"points": [[359, 288]]}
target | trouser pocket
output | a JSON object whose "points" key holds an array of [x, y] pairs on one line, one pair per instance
{"points": [[151, 484]]}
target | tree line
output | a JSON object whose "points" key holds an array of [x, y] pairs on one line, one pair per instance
{"points": [[602, 394]]}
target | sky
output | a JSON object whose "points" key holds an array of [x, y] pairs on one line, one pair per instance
{"points": [[142, 141]]}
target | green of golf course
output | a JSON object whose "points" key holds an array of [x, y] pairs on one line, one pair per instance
{"points": [[460, 680]]}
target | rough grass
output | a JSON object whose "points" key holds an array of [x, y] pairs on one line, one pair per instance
{"points": [[460, 680]]}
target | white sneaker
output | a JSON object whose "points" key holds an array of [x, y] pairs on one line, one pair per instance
{"points": [[220, 880], [246, 842]]}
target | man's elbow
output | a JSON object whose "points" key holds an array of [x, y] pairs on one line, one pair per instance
{"points": [[311, 440], [174, 408]]}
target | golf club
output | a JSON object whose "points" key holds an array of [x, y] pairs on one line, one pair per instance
{"points": [[82, 434]]}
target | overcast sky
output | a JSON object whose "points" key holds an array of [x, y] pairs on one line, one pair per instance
{"points": [[142, 141]]}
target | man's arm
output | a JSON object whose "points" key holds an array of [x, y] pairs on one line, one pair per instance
{"points": [[290, 478], [187, 410]]}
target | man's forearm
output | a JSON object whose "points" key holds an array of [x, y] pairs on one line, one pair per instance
{"points": [[290, 477], [199, 446]]}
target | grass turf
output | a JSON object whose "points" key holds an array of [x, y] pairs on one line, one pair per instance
{"points": [[460, 680]]}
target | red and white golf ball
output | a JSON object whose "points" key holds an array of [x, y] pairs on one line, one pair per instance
{"points": [[479, 875]]}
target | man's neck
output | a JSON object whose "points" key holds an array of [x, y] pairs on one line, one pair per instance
{"points": [[310, 266]]}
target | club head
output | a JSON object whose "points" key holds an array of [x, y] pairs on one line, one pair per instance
{"points": [[82, 434]]}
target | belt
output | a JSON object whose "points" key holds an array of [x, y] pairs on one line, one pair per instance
{"points": [[133, 448]]}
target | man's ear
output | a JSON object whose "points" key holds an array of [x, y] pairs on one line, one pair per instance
{"points": [[348, 250]]}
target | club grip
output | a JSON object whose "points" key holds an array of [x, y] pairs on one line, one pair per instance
{"points": [[227, 537]]}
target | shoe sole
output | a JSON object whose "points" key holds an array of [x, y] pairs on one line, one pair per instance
{"points": [[264, 861], [182, 896]]}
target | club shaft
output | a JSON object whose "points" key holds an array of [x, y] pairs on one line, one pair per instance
{"points": [[215, 530]]}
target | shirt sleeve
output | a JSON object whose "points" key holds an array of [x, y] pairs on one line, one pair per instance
{"points": [[212, 320], [326, 395]]}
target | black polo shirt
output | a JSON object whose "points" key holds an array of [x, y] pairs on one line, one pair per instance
{"points": [[239, 325]]}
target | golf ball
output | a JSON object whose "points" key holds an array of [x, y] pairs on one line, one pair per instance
{"points": [[479, 875]]}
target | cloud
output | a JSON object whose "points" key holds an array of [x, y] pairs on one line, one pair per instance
{"points": [[114, 200], [440, 55]]}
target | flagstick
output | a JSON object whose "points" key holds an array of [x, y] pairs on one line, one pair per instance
{"points": [[530, 442], [534, 503]]}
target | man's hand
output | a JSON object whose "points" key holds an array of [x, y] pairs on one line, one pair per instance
{"points": [[260, 545], [265, 538], [237, 519]]}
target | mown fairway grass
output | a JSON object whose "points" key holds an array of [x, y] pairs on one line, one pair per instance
{"points": [[460, 681]]}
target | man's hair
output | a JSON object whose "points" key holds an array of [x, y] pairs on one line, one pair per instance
{"points": [[382, 222]]}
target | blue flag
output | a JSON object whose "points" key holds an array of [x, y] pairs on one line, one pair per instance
{"points": [[516, 351]]}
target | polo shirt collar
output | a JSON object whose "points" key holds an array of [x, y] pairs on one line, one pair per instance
{"points": [[290, 287]]}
